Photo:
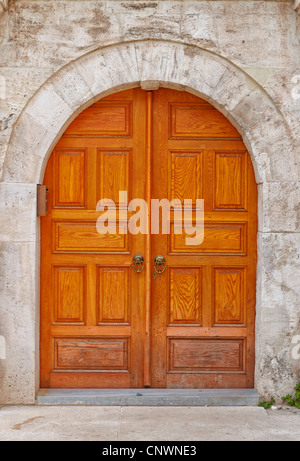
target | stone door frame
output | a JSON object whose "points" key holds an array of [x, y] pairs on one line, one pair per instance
{"points": [[150, 64]]}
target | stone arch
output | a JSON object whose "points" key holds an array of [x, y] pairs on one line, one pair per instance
{"points": [[148, 64]]}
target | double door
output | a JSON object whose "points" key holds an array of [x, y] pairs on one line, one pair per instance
{"points": [[142, 304]]}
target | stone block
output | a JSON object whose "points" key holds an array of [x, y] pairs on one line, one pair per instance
{"points": [[24, 159], [283, 87], [107, 72], [48, 38], [277, 371], [49, 109], [200, 27], [204, 73], [267, 133], [122, 65], [254, 33], [18, 372], [232, 88], [18, 212], [161, 64], [22, 83], [279, 207], [137, 26], [18, 263], [72, 88], [278, 271]]}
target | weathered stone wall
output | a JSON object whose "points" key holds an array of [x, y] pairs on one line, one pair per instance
{"points": [[243, 56]]}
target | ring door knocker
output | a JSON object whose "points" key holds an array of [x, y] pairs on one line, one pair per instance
{"points": [[159, 265], [138, 263]]}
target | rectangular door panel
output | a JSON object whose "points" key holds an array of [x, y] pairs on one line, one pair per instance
{"points": [[105, 118], [69, 177], [69, 294], [77, 236], [113, 294], [199, 120], [113, 174], [185, 295], [91, 354], [186, 175], [200, 355], [219, 238], [229, 295], [230, 180]]}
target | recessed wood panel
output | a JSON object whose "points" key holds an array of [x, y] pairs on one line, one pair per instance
{"points": [[185, 295], [230, 181], [218, 238], [69, 290], [228, 295], [91, 353], [105, 118], [113, 293], [113, 174], [69, 177], [206, 354], [199, 120], [83, 236], [186, 176]]}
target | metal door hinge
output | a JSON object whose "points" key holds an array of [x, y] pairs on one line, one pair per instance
{"points": [[42, 200]]}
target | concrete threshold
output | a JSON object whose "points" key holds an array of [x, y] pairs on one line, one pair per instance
{"points": [[148, 397]]}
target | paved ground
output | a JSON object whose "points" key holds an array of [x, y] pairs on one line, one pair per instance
{"points": [[100, 423]]}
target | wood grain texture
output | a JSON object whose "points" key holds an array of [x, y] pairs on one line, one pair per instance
{"points": [[69, 176], [77, 236], [186, 176], [219, 238], [199, 119], [90, 354], [206, 354], [113, 174], [229, 295], [105, 118], [69, 294], [185, 295], [113, 294], [230, 182]]}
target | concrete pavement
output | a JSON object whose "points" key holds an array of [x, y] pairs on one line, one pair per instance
{"points": [[144, 423]]}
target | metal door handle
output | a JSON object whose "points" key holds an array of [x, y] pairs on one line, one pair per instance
{"points": [[138, 263], [159, 265]]}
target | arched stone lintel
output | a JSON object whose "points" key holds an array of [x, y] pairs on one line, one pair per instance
{"points": [[150, 64]]}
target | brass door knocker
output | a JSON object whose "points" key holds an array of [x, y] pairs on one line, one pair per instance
{"points": [[159, 267], [138, 263]]}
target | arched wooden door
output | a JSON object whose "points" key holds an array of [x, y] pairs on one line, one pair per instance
{"points": [[105, 325]]}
